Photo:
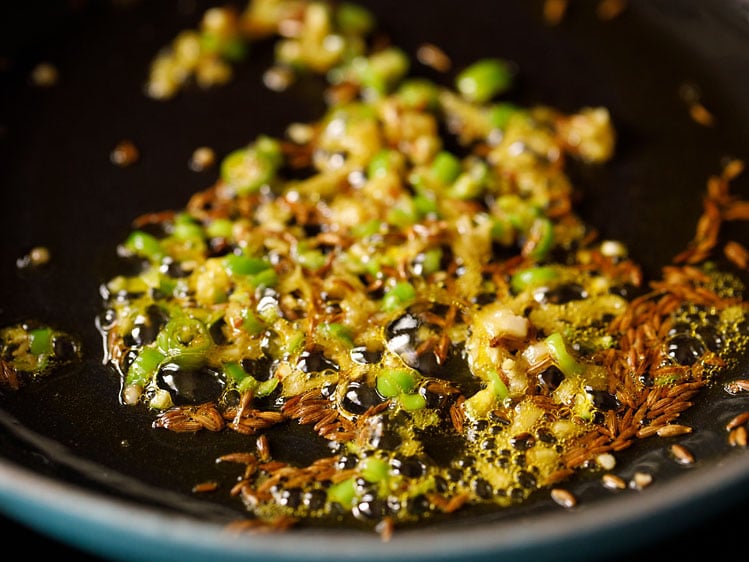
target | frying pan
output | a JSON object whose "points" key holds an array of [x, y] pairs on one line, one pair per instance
{"points": [[64, 468]]}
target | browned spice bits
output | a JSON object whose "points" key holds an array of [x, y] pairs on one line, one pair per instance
{"points": [[125, 153]]}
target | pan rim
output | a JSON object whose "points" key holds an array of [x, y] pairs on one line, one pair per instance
{"points": [[125, 529]]}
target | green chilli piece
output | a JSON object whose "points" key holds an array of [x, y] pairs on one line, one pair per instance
{"points": [[385, 162], [266, 278], [353, 19], [235, 372], [248, 169], [400, 384], [258, 271], [501, 392], [32, 349], [343, 493], [367, 229], [337, 331], [419, 93], [532, 277], [185, 340], [167, 285], [521, 213], [561, 356], [471, 183], [380, 164], [429, 261], [237, 264], [500, 114], [187, 228], [144, 367], [542, 232], [404, 213], [424, 205], [380, 72], [246, 382], [412, 402], [220, 228], [485, 79], [393, 382], [144, 245], [400, 295], [374, 469], [251, 323], [310, 258], [264, 388], [445, 168], [233, 49], [502, 231], [40, 341], [258, 388]]}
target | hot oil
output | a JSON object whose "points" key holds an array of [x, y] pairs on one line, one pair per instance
{"points": [[132, 447]]}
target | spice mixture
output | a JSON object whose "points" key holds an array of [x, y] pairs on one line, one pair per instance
{"points": [[408, 276]]}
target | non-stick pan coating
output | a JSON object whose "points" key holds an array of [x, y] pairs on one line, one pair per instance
{"points": [[59, 189]]}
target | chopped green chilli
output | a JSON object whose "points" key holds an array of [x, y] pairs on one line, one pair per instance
{"points": [[31, 350], [407, 277]]}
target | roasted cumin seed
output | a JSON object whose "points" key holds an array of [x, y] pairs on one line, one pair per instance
{"points": [[737, 386], [737, 437], [554, 11], [738, 420], [204, 487], [278, 524], [563, 497], [737, 254], [124, 153], [610, 9], [263, 448], [385, 528], [434, 57], [681, 454], [613, 482], [673, 430], [700, 114], [641, 480]]}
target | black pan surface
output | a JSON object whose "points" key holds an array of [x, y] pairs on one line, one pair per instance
{"points": [[59, 189]]}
